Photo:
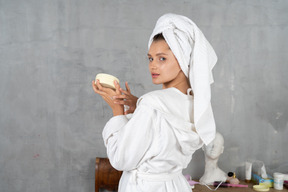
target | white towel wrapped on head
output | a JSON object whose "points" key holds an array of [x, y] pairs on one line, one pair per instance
{"points": [[196, 58]]}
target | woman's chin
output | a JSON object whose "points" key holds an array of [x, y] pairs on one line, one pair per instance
{"points": [[156, 82]]}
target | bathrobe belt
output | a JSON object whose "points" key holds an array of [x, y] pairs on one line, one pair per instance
{"points": [[153, 177]]}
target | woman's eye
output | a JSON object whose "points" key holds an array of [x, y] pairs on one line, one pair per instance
{"points": [[150, 59], [162, 59]]}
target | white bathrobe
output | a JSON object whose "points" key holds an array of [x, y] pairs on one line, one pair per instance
{"points": [[155, 144]]}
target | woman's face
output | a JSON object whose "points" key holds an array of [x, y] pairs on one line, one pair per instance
{"points": [[163, 65]]}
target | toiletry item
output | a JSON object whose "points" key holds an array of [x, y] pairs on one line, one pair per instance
{"points": [[248, 171], [230, 174], [232, 178], [216, 183], [263, 171], [262, 181], [278, 181], [259, 168], [106, 80], [260, 187]]}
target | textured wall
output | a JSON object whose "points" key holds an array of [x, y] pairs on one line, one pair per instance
{"points": [[50, 50]]}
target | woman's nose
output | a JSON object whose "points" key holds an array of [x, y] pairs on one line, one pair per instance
{"points": [[153, 65]]}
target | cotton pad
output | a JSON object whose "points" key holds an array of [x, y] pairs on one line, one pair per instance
{"points": [[106, 80]]}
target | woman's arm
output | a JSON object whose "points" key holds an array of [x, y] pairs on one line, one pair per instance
{"points": [[128, 141]]}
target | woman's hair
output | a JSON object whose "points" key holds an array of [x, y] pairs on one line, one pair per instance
{"points": [[158, 37]]}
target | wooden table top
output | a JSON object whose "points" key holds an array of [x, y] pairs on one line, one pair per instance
{"points": [[203, 188]]}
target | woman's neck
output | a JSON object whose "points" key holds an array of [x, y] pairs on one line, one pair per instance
{"points": [[181, 83]]}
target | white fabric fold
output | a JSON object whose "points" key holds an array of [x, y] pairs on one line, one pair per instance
{"points": [[196, 58]]}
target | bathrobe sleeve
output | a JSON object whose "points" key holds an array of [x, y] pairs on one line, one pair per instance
{"points": [[129, 142]]}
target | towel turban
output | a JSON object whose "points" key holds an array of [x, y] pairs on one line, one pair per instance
{"points": [[196, 58]]}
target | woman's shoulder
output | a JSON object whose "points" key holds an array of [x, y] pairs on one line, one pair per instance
{"points": [[153, 95], [160, 98], [148, 98], [171, 102]]}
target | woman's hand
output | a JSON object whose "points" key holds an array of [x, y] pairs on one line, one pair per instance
{"points": [[126, 98], [107, 94]]}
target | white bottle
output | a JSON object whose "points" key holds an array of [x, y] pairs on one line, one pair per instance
{"points": [[278, 181]]}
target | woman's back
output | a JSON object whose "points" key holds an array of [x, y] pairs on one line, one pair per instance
{"points": [[160, 139]]}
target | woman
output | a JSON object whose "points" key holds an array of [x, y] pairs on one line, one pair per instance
{"points": [[168, 125]]}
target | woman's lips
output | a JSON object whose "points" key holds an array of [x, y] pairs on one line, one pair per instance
{"points": [[155, 75]]}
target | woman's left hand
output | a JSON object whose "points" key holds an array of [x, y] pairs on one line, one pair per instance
{"points": [[126, 98]]}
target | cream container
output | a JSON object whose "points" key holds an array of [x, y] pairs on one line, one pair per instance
{"points": [[278, 181], [106, 80]]}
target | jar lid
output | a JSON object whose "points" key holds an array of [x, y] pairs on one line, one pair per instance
{"points": [[260, 187], [278, 175]]}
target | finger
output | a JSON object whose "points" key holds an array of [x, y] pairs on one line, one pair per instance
{"points": [[125, 92], [96, 90], [94, 86], [127, 87], [99, 86], [120, 97], [100, 92], [117, 86], [120, 102]]}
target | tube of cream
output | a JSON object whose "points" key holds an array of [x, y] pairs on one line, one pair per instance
{"points": [[248, 171]]}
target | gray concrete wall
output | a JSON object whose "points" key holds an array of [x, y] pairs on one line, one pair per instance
{"points": [[50, 50]]}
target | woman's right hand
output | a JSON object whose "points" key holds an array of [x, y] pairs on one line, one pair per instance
{"points": [[126, 98], [108, 94]]}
